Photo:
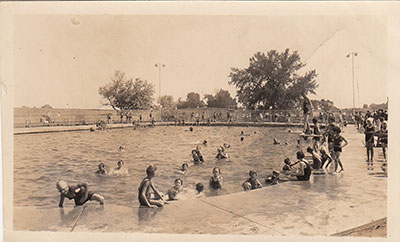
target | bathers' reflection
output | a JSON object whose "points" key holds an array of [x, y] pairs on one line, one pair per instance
{"points": [[146, 214]]}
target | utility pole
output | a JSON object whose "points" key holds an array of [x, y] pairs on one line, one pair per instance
{"points": [[159, 65], [352, 55]]}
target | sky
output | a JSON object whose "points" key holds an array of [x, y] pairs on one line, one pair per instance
{"points": [[62, 60]]}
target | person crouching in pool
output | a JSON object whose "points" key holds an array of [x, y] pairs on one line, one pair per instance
{"points": [[216, 179], [252, 182], [316, 165], [79, 193], [325, 157], [301, 169], [144, 194]]}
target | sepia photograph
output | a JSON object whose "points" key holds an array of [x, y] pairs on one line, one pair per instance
{"points": [[248, 120]]}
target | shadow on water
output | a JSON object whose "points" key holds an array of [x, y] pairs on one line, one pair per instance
{"points": [[146, 214]]}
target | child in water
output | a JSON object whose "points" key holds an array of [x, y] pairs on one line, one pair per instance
{"points": [[101, 170], [287, 166], [79, 193], [184, 168], [176, 189], [252, 182], [216, 179], [144, 194], [120, 169], [273, 179]]}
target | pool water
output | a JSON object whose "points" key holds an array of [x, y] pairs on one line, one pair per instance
{"points": [[40, 160]]}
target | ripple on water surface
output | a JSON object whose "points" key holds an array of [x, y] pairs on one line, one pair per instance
{"points": [[41, 160]]}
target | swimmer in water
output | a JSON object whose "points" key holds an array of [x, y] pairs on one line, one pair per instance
{"points": [[191, 129], [221, 153], [184, 168], [121, 148], [199, 155], [79, 193], [273, 179], [176, 189], [205, 142], [241, 138], [199, 188], [120, 169], [252, 182], [101, 170], [216, 179]]}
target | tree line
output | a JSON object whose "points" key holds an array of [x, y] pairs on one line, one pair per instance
{"points": [[271, 81]]}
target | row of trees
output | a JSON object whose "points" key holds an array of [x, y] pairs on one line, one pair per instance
{"points": [[124, 94], [271, 81]]}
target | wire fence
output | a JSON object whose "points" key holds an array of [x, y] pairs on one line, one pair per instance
{"points": [[35, 117]]}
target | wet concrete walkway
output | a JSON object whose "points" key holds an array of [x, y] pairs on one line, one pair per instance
{"points": [[325, 205], [52, 129]]}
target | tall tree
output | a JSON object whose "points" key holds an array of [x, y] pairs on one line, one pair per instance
{"points": [[192, 101], [272, 80], [222, 99], [167, 102], [124, 93]]}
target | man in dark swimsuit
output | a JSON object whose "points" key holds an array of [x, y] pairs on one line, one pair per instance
{"points": [[79, 193], [144, 195], [307, 110]]}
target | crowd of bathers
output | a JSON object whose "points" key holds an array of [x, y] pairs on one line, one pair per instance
{"points": [[375, 127], [326, 149]]}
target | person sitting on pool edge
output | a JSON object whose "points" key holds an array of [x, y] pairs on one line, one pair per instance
{"points": [[101, 170], [144, 194], [252, 182], [79, 193], [301, 169], [316, 158], [216, 179]]}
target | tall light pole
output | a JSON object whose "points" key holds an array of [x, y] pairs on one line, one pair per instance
{"points": [[352, 55], [159, 65]]}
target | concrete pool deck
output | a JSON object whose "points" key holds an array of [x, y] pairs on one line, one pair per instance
{"points": [[325, 205], [52, 129]]}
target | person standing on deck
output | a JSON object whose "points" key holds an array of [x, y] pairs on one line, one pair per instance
{"points": [[307, 110], [369, 140]]}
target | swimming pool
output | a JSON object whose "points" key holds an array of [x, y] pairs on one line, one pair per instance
{"points": [[40, 160]]}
